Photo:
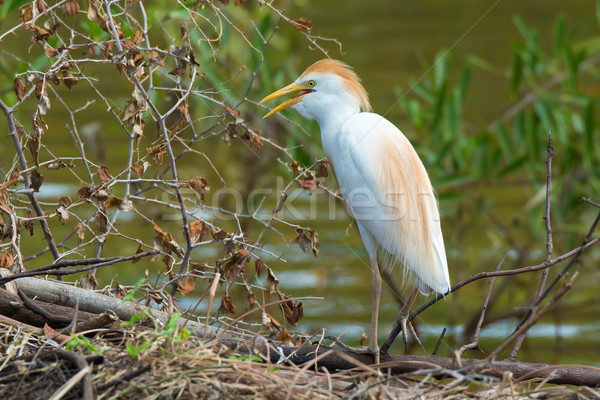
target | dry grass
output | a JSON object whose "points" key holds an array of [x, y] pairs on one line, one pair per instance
{"points": [[167, 368]]}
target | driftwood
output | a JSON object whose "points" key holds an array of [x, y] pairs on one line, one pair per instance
{"points": [[97, 303], [331, 358], [436, 366], [37, 313]]}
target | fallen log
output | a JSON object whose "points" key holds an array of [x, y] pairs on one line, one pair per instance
{"points": [[278, 352]]}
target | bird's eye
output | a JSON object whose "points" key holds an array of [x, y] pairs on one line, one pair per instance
{"points": [[312, 83]]}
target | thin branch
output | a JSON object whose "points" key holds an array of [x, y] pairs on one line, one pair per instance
{"points": [[8, 112], [474, 344], [519, 342], [529, 322], [56, 269]]}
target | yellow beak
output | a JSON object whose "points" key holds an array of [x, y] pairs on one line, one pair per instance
{"points": [[294, 87]]}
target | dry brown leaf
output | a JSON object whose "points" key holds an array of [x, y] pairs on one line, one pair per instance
{"points": [[293, 310], [176, 128], [188, 286], [51, 52], [106, 54], [29, 224], [89, 281], [138, 36], [103, 173], [295, 166], [157, 153], [270, 322], [233, 112], [20, 88], [259, 265], [284, 336], [363, 339], [230, 131], [200, 187], [40, 89], [121, 291], [80, 231], [6, 260], [154, 59], [227, 306], [164, 242], [26, 14], [72, 8], [94, 14], [321, 169], [302, 24], [308, 184], [307, 242], [253, 135], [101, 221], [34, 146], [272, 280], [113, 201], [140, 169], [199, 230], [44, 105], [41, 6], [220, 235], [252, 300], [100, 195], [14, 178], [64, 201], [49, 332], [63, 215], [84, 192], [183, 32], [37, 180], [179, 69], [138, 251]]}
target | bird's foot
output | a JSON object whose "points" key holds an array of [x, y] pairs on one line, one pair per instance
{"points": [[406, 325], [372, 350], [403, 325]]}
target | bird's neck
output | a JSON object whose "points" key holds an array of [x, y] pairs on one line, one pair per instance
{"points": [[331, 119]]}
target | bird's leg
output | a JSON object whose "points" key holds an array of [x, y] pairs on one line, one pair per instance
{"points": [[376, 285], [403, 317], [401, 324]]}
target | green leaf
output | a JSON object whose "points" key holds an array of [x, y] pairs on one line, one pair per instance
{"points": [[513, 166], [132, 350], [505, 143], [516, 73], [440, 69], [559, 34]]}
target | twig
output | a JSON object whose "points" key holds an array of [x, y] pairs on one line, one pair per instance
{"points": [[54, 269], [562, 273], [511, 272], [529, 322], [84, 372], [519, 342], [8, 112], [474, 344], [439, 342]]}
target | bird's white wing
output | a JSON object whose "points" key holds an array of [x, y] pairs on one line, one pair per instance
{"points": [[388, 190]]}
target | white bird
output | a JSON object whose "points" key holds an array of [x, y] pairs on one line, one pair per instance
{"points": [[381, 178]]}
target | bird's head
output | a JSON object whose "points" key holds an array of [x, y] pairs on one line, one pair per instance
{"points": [[326, 88]]}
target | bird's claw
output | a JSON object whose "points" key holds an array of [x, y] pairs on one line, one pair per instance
{"points": [[406, 325]]}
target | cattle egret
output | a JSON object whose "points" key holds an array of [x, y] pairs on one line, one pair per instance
{"points": [[380, 176]]}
